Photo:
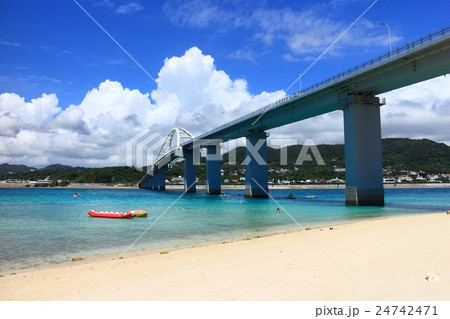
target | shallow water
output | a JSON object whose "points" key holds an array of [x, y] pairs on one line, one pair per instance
{"points": [[40, 226]]}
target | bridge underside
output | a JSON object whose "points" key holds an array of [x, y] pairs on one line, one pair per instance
{"points": [[352, 92]]}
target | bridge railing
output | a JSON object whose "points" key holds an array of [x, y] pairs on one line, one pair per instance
{"points": [[408, 46], [359, 67]]}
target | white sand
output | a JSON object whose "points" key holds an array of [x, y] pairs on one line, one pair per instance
{"points": [[386, 259]]}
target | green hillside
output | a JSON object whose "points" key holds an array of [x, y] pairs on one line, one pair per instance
{"points": [[7, 168], [109, 175], [400, 155]]}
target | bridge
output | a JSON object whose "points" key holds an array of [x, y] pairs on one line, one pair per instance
{"points": [[170, 152], [353, 91]]}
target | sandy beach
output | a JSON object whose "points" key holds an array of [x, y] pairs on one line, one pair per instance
{"points": [[383, 259]]}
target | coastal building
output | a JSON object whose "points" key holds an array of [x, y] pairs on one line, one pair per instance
{"points": [[335, 181], [178, 180], [404, 178]]}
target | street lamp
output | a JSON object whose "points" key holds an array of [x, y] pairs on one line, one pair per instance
{"points": [[300, 81], [389, 30]]}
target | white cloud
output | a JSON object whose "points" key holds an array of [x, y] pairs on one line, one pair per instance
{"points": [[120, 61], [417, 111], [129, 8], [36, 112], [302, 31], [243, 54], [196, 13], [9, 124], [104, 3], [10, 44], [124, 8], [207, 94], [71, 119], [295, 33], [325, 129], [94, 132]]}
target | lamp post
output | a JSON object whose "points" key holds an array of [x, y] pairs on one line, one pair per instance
{"points": [[300, 81], [389, 30]]}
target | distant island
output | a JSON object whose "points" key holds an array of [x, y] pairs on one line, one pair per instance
{"points": [[404, 160]]}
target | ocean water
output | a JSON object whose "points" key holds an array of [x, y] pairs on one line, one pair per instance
{"points": [[41, 226]]}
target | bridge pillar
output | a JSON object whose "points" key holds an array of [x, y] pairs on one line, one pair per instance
{"points": [[256, 174], [155, 180], [363, 158], [162, 178], [148, 184], [190, 185], [213, 166]]}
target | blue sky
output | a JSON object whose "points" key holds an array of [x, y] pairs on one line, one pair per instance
{"points": [[62, 78]]}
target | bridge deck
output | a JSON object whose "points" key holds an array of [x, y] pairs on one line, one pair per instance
{"points": [[417, 61], [352, 91]]}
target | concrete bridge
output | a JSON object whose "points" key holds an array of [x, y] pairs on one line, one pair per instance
{"points": [[353, 91]]}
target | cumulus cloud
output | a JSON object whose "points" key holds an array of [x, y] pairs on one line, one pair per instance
{"points": [[36, 112], [71, 119], [192, 94], [200, 90], [94, 133], [9, 124]]}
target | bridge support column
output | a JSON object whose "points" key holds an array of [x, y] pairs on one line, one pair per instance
{"points": [[155, 180], [148, 184], [256, 174], [363, 158], [162, 178], [190, 185], [213, 166]]}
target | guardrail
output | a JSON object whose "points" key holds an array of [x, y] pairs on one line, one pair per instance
{"points": [[408, 46]]}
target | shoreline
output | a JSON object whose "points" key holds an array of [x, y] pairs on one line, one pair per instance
{"points": [[131, 254], [396, 251], [240, 187]]}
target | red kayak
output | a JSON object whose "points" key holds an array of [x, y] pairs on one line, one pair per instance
{"points": [[96, 213]]}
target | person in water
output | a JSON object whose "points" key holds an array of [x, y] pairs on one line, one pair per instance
{"points": [[278, 210]]}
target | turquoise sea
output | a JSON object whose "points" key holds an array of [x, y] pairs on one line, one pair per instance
{"points": [[41, 226]]}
